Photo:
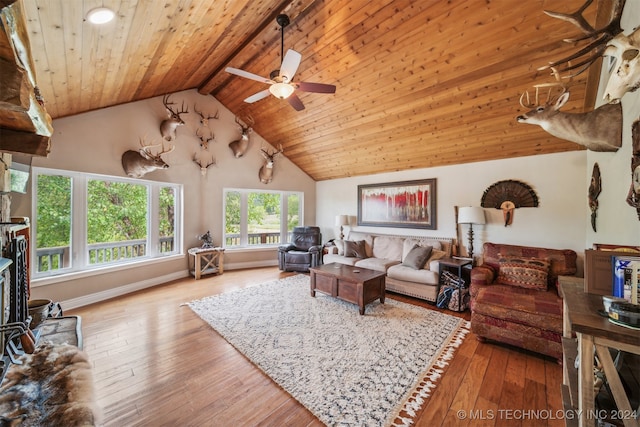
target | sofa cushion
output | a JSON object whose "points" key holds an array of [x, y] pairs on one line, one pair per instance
{"points": [[388, 248], [410, 243], [538, 309], [529, 273], [417, 257], [368, 241], [340, 259], [562, 261], [378, 264], [354, 249], [435, 255], [340, 245], [402, 272]]}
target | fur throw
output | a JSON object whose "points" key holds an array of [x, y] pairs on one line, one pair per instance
{"points": [[52, 387]]}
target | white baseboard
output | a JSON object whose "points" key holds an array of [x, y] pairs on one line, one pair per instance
{"points": [[121, 290], [250, 264], [132, 287]]}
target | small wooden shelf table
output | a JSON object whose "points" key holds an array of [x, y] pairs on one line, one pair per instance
{"points": [[206, 261]]}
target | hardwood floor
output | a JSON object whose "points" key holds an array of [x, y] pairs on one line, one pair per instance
{"points": [[157, 363]]}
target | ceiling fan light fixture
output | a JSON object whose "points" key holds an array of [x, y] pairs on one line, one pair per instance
{"points": [[281, 90], [100, 15]]}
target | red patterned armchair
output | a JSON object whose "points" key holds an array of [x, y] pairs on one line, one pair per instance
{"points": [[514, 297]]}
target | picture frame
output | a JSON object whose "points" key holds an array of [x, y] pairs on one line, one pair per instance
{"points": [[405, 204]]}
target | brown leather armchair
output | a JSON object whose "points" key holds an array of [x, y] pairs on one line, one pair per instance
{"points": [[303, 252]]}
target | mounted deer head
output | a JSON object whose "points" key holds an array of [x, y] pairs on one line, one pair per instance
{"points": [[266, 171], [204, 121], [204, 140], [626, 77], [597, 130], [240, 146], [203, 167], [136, 164], [168, 126]]}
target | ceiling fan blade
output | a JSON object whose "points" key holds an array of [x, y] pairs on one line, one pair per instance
{"points": [[290, 64], [316, 87], [295, 102], [257, 96], [248, 75]]}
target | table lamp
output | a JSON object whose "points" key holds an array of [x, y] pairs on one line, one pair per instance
{"points": [[471, 215], [341, 221]]}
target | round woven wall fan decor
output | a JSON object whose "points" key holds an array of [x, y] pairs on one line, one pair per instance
{"points": [[514, 192]]}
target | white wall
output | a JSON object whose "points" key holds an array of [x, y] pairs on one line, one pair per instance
{"points": [[617, 222], [558, 222], [93, 142]]}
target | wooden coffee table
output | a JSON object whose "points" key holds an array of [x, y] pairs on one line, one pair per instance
{"points": [[352, 284]]}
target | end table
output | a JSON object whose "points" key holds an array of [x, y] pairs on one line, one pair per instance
{"points": [[206, 261], [455, 264]]}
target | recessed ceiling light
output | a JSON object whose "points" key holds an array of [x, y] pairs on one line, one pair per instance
{"points": [[100, 15]]}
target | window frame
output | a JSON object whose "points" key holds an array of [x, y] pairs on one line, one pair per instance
{"points": [[80, 262], [244, 226]]}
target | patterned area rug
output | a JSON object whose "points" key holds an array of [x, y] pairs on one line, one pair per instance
{"points": [[347, 369]]}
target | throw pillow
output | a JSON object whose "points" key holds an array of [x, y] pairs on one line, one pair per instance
{"points": [[529, 273], [354, 249], [417, 257], [435, 255], [340, 245]]}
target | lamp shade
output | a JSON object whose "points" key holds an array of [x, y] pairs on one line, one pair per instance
{"points": [[342, 220], [470, 215], [281, 90]]}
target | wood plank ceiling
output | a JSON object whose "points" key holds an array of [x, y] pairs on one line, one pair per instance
{"points": [[419, 83]]}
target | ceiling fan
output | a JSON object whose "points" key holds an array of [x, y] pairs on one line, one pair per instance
{"points": [[281, 81]]}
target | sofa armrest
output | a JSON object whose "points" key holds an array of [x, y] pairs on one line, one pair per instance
{"points": [[332, 249], [483, 275], [433, 266]]}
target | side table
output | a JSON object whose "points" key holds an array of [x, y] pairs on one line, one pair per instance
{"points": [[595, 335], [206, 261], [455, 264]]}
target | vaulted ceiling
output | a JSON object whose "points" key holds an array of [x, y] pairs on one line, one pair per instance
{"points": [[419, 83]]}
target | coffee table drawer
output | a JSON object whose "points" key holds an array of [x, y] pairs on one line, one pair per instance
{"points": [[356, 285], [324, 284], [347, 291]]}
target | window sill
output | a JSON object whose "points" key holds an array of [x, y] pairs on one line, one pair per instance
{"points": [[50, 280]]}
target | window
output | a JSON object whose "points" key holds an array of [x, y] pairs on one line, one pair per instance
{"points": [[85, 221], [255, 218]]}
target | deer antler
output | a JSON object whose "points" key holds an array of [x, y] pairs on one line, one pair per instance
{"points": [[167, 105], [558, 83], [203, 167], [205, 120], [245, 122], [601, 37], [147, 147], [204, 141]]}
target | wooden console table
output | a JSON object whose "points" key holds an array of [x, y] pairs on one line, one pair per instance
{"points": [[595, 335], [206, 261]]}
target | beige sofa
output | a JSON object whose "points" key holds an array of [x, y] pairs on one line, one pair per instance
{"points": [[387, 253]]}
